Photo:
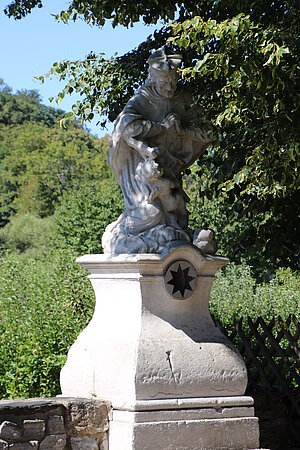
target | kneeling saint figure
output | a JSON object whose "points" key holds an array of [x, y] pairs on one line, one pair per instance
{"points": [[156, 137]]}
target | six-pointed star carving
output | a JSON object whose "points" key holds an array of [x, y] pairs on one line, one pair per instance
{"points": [[181, 280]]}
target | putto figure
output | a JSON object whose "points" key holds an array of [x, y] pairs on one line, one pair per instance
{"points": [[158, 135]]}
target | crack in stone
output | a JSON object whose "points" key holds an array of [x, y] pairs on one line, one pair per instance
{"points": [[169, 393], [168, 352]]}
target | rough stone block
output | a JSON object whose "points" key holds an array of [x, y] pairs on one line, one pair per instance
{"points": [[34, 429], [103, 442], [84, 443], [10, 431], [55, 425], [86, 418], [54, 442], [3, 445], [32, 445]]}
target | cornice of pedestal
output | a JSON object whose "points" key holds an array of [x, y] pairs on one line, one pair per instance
{"points": [[185, 403], [137, 265]]}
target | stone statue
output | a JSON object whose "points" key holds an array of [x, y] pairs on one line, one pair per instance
{"points": [[177, 373], [159, 134]]}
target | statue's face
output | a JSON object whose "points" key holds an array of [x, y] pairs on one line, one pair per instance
{"points": [[166, 85]]}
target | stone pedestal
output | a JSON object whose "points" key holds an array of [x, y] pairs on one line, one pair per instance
{"points": [[174, 380], [203, 423]]}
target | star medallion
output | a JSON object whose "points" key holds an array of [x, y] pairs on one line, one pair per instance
{"points": [[180, 280]]}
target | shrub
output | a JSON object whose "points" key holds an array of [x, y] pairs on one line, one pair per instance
{"points": [[235, 294], [84, 215], [44, 306], [28, 234]]}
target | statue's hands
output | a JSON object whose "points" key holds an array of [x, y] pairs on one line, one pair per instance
{"points": [[154, 152], [150, 152], [169, 121], [172, 121]]}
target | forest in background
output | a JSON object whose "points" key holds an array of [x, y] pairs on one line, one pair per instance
{"points": [[57, 195]]}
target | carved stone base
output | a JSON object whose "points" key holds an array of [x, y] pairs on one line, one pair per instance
{"points": [[152, 342], [151, 335], [206, 424]]}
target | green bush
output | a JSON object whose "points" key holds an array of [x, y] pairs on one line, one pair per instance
{"points": [[44, 306], [84, 215], [257, 238], [28, 234], [235, 294]]}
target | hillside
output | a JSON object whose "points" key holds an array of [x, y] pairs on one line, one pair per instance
{"points": [[40, 160]]}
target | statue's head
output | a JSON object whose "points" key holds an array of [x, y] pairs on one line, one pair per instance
{"points": [[163, 71]]}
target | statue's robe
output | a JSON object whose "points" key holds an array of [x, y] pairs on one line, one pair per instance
{"points": [[140, 124]]}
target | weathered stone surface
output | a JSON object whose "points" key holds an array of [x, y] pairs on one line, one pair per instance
{"points": [[103, 442], [170, 346], [30, 407], [55, 425], [35, 418], [86, 417], [205, 240], [84, 443], [190, 434], [32, 445], [54, 442], [34, 429], [10, 431], [173, 357], [3, 445]]}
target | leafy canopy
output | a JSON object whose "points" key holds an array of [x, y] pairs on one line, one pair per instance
{"points": [[240, 62]]}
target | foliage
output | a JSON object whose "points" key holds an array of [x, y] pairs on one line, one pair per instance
{"points": [[252, 97], [84, 214], [105, 85], [44, 306], [39, 161], [25, 106], [28, 234], [264, 237], [96, 13], [235, 295], [240, 63]]}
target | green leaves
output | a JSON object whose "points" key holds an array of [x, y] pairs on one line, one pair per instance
{"points": [[44, 306], [105, 84], [276, 52], [84, 214], [241, 64], [243, 72], [98, 81], [236, 295], [39, 160]]}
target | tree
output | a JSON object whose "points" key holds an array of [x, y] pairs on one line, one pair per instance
{"points": [[25, 106], [84, 214], [240, 61], [39, 160]]}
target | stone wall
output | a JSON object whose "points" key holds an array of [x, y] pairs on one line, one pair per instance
{"points": [[54, 424]]}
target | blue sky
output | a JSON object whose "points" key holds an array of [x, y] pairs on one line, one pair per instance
{"points": [[30, 46]]}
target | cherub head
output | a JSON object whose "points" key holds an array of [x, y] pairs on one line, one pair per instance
{"points": [[149, 170], [152, 169]]}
